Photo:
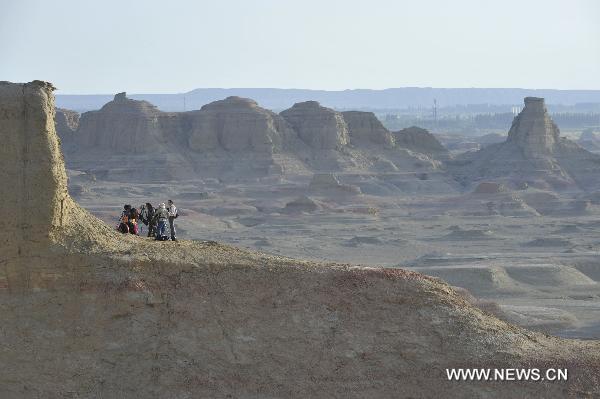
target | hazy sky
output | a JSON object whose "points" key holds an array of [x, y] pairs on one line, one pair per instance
{"points": [[174, 46]]}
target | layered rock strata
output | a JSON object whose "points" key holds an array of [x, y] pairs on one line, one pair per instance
{"points": [[230, 139], [237, 124], [319, 127], [534, 154], [533, 131], [365, 129], [87, 312]]}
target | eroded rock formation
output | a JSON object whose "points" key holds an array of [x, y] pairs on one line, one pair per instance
{"points": [[319, 127], [67, 122], [534, 154], [87, 312], [419, 140], [365, 128], [237, 124], [126, 126], [33, 176], [129, 139], [533, 130], [229, 139]]}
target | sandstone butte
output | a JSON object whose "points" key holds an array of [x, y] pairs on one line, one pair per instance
{"points": [[88, 313], [229, 139], [533, 154]]}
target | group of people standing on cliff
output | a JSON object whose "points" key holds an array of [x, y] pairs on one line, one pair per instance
{"points": [[155, 218]]}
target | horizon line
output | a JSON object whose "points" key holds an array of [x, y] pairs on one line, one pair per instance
{"points": [[322, 90]]}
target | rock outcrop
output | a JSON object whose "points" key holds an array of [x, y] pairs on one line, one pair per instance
{"points": [[419, 140], [533, 131], [67, 122], [365, 129], [319, 127], [126, 126], [87, 312], [237, 124], [33, 176], [534, 153], [130, 139], [230, 139]]}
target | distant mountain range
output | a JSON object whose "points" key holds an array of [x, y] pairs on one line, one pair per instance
{"points": [[362, 99]]}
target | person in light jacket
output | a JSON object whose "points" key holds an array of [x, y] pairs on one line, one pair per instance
{"points": [[173, 214]]}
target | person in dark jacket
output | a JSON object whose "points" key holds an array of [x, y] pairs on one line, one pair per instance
{"points": [[162, 216], [124, 219], [148, 219]]}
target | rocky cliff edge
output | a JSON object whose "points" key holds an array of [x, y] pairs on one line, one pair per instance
{"points": [[90, 313]]}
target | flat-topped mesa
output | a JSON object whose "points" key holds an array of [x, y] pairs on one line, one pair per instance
{"points": [[365, 128], [122, 126], [319, 127], [31, 164], [533, 129], [236, 124]]}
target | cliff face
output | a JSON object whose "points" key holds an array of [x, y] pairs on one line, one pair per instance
{"points": [[67, 122], [236, 124], [534, 153], [88, 312], [231, 138], [128, 139], [533, 130], [365, 128], [33, 176], [125, 126], [319, 127]]}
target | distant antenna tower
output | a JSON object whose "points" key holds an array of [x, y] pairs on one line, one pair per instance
{"points": [[435, 111], [183, 103]]}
